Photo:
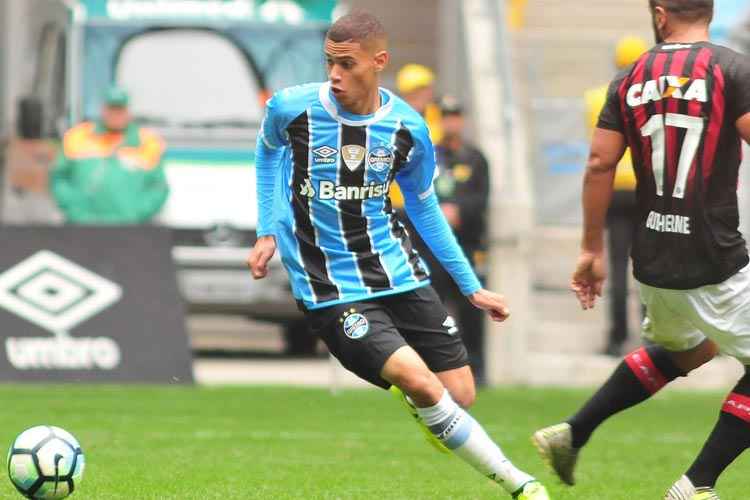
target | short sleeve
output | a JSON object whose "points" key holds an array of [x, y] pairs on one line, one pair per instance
{"points": [[417, 176], [610, 117], [272, 129], [738, 90]]}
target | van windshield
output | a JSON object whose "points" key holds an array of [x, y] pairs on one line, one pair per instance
{"points": [[189, 78]]}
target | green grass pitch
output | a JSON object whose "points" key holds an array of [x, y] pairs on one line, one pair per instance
{"points": [[279, 443]]}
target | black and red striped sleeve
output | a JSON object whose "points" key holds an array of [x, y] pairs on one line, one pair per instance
{"points": [[610, 117], [737, 70]]}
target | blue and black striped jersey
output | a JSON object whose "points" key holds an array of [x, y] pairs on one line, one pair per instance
{"points": [[332, 218]]}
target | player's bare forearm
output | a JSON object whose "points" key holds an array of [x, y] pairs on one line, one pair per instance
{"points": [[607, 148], [597, 194], [743, 127]]}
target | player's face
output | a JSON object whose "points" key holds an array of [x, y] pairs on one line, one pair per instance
{"points": [[115, 118], [353, 70], [453, 125]]}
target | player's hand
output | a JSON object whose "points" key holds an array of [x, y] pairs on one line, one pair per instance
{"points": [[588, 278], [491, 302], [259, 256]]}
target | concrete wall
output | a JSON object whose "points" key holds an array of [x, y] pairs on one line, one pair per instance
{"points": [[4, 69], [21, 22]]}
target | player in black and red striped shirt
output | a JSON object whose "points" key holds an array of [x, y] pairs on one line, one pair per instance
{"points": [[683, 109]]}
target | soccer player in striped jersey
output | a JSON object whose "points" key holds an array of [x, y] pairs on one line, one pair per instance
{"points": [[326, 156], [683, 109]]}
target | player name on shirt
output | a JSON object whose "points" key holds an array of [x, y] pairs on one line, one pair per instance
{"points": [[676, 87], [668, 223]]}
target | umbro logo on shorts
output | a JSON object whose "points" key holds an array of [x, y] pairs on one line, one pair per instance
{"points": [[450, 325]]}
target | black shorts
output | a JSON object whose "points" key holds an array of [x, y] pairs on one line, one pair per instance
{"points": [[363, 335]]}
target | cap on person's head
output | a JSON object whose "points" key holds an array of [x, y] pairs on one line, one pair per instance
{"points": [[116, 96], [412, 77], [628, 50], [450, 105]]}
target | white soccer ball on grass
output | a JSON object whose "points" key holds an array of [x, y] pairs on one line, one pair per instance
{"points": [[45, 462]]}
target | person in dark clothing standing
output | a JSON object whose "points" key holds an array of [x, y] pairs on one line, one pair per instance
{"points": [[462, 187]]}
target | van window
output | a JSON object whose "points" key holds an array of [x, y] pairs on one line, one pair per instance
{"points": [[189, 77]]}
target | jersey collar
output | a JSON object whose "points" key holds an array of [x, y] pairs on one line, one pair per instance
{"points": [[343, 116]]}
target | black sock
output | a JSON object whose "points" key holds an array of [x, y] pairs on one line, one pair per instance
{"points": [[730, 437], [641, 374]]}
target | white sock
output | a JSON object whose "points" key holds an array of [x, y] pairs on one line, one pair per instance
{"points": [[683, 489], [460, 433]]}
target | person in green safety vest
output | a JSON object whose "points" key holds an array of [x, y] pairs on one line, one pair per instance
{"points": [[110, 171]]}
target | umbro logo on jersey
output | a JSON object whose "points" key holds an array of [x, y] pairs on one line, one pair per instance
{"points": [[352, 155], [324, 154], [676, 87]]}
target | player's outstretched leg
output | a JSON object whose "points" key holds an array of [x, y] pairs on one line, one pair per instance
{"points": [[454, 427], [460, 385], [640, 375], [412, 409], [730, 437]]}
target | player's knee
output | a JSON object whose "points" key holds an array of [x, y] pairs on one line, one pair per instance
{"points": [[696, 357], [712, 352], [464, 397], [744, 384]]}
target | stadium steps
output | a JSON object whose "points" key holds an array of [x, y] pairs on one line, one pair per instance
{"points": [[563, 341], [601, 14], [561, 326], [562, 50]]}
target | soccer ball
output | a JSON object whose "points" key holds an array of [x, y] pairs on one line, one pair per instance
{"points": [[45, 462]]}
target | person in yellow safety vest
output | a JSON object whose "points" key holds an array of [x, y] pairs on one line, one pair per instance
{"points": [[110, 171], [622, 212], [416, 85]]}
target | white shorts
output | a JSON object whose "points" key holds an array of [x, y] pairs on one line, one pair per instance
{"points": [[679, 320]]}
